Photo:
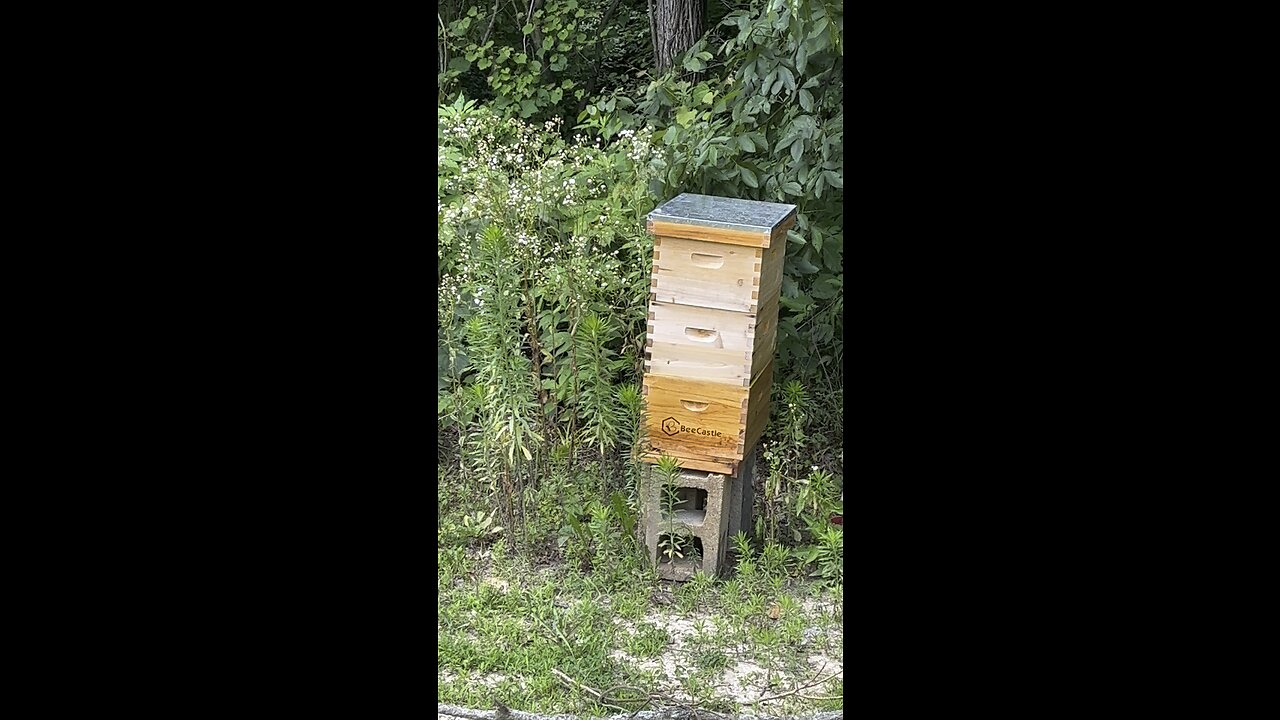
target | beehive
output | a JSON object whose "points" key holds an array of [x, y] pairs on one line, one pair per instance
{"points": [[713, 320]]}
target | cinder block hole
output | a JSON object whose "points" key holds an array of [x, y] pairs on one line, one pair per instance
{"points": [[691, 506], [690, 549], [692, 499]]}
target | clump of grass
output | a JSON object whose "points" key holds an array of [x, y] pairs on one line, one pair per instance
{"points": [[649, 641]]}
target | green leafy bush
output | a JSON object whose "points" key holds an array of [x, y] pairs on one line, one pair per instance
{"points": [[770, 126], [544, 266]]}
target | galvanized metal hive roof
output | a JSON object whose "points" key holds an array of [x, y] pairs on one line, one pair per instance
{"points": [[723, 213]]}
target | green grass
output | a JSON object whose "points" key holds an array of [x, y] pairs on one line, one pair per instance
{"points": [[515, 606]]}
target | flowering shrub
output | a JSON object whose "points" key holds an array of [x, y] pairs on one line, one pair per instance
{"points": [[557, 229]]}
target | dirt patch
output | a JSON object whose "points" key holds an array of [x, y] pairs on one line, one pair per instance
{"points": [[748, 678]]}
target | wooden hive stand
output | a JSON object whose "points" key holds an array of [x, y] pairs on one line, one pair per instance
{"points": [[713, 322]]}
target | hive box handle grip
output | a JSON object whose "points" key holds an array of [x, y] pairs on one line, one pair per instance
{"points": [[706, 260], [692, 406], [700, 335]]}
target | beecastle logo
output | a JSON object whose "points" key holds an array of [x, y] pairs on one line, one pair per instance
{"points": [[672, 426]]}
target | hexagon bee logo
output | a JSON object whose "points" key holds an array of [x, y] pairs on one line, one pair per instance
{"points": [[671, 426]]}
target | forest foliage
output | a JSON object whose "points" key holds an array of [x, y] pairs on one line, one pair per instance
{"points": [[557, 137]]}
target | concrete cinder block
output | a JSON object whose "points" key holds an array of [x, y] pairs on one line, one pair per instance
{"points": [[705, 515]]}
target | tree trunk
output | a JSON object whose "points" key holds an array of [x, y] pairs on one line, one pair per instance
{"points": [[677, 25]]}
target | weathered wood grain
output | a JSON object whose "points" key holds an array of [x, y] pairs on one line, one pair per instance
{"points": [[697, 463], [757, 408], [703, 420], [710, 344], [745, 238], [706, 274]]}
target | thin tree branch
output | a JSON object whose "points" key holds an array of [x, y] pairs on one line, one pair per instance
{"points": [[444, 44], [594, 694], [489, 29], [798, 688]]}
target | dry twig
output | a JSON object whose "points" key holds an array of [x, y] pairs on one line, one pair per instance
{"points": [[795, 689]]}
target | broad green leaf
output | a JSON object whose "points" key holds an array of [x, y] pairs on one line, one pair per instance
{"points": [[797, 149], [744, 142], [748, 177], [684, 117], [833, 179], [806, 100], [621, 512], [826, 288], [803, 264], [791, 188], [789, 287]]}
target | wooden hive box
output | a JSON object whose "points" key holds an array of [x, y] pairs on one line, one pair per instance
{"points": [[713, 319], [708, 426], [698, 343]]}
